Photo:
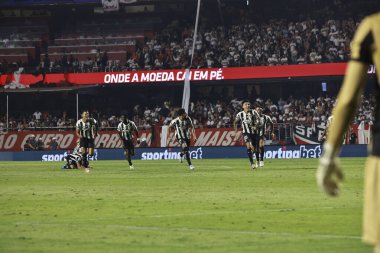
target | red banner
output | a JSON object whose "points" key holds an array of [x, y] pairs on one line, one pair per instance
{"points": [[15, 141], [206, 137], [211, 137], [178, 75]]}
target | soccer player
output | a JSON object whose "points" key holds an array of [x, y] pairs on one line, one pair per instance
{"points": [[365, 50], [74, 160], [261, 128], [87, 130], [184, 129], [125, 129], [248, 119]]}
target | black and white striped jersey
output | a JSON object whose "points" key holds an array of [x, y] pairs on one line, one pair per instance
{"points": [[126, 130], [87, 129], [182, 127], [76, 155], [74, 158], [264, 120], [248, 120], [76, 150]]}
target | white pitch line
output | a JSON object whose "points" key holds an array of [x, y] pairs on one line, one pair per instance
{"points": [[237, 211], [198, 214], [184, 229], [205, 230]]}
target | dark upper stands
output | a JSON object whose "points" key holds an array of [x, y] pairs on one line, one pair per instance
{"points": [[76, 41]]}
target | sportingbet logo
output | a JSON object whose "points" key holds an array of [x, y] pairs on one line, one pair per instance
{"points": [[167, 155], [53, 157], [302, 152], [61, 157]]}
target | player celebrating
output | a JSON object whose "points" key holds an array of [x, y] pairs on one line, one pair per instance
{"points": [[364, 51], [264, 121], [125, 130], [184, 128], [248, 119], [74, 160], [87, 130]]}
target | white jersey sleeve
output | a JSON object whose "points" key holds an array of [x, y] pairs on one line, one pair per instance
{"points": [[134, 125], [120, 127], [78, 125], [173, 122]]}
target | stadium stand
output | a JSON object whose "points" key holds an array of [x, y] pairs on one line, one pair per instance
{"points": [[258, 37], [306, 111], [56, 41]]}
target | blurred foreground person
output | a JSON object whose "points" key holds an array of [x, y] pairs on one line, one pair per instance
{"points": [[365, 50]]}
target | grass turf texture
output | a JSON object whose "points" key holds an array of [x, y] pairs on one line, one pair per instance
{"points": [[161, 206]]}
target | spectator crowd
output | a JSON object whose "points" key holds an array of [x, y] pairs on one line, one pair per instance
{"points": [[276, 42], [205, 114]]}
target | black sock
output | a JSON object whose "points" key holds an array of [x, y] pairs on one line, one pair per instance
{"points": [[187, 154], [249, 153], [257, 155], [129, 159], [188, 158], [68, 161], [262, 153], [84, 160]]}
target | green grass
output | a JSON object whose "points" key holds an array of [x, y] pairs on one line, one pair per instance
{"points": [[161, 206]]}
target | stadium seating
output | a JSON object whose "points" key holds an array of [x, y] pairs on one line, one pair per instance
{"points": [[147, 42]]}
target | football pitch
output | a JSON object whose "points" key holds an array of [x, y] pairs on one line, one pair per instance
{"points": [[161, 206]]}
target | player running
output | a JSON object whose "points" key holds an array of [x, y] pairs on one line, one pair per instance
{"points": [[125, 129], [248, 119], [184, 128], [261, 129], [87, 130]]}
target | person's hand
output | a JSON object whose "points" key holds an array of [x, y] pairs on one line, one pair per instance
{"points": [[329, 174], [138, 140]]}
